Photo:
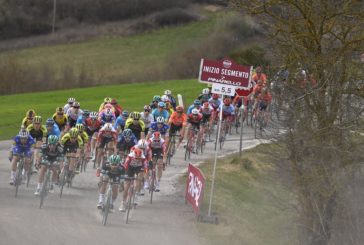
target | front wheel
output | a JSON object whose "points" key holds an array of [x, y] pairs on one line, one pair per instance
{"points": [[45, 188], [106, 208]]}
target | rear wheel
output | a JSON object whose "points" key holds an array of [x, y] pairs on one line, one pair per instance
{"points": [[106, 208], [18, 176], [45, 188]]}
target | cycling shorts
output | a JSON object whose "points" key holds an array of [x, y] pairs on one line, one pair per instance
{"points": [[263, 105], [105, 141], [90, 133], [20, 150], [157, 152], [70, 148], [134, 170], [174, 129]]}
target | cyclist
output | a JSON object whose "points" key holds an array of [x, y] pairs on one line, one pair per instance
{"points": [[143, 145], [107, 116], [52, 128], [22, 144], [69, 104], [259, 75], [92, 125], [263, 101], [28, 119], [169, 108], [71, 143], [160, 111], [171, 98], [117, 108], [205, 96], [72, 114], [81, 132], [196, 105], [52, 151], [194, 120], [177, 123], [147, 118], [156, 99], [228, 111], [60, 118], [126, 141], [158, 148], [134, 164], [82, 119], [206, 113], [136, 125], [107, 100], [105, 137], [215, 103], [111, 171], [120, 121], [37, 131]]}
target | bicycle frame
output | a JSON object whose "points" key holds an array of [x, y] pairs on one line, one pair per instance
{"points": [[131, 196], [19, 171], [108, 200]]}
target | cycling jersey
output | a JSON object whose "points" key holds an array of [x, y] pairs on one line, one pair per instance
{"points": [[37, 134], [228, 110], [73, 115], [195, 121], [257, 89], [147, 119], [104, 119], [189, 110], [61, 121], [124, 143], [120, 121], [92, 126], [19, 148], [206, 114], [54, 131], [215, 104], [136, 128], [113, 173], [157, 113], [261, 77], [146, 151], [51, 156], [26, 121], [204, 98], [84, 137], [163, 130], [134, 162], [68, 145], [173, 101], [178, 119], [153, 144]]}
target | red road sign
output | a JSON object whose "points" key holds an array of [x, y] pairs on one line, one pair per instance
{"points": [[194, 187], [228, 72]]}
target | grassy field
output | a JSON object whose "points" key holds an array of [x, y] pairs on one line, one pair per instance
{"points": [[130, 96], [250, 202], [115, 56]]}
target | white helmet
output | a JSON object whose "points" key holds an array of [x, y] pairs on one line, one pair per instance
{"points": [[164, 98], [205, 91], [142, 144], [107, 127], [195, 112], [160, 120], [168, 92]]}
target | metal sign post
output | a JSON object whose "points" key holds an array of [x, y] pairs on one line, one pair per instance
{"points": [[242, 126]]}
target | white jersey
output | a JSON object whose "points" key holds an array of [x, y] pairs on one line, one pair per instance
{"points": [[147, 119], [156, 144], [74, 116]]}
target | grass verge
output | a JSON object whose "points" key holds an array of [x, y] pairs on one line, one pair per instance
{"points": [[252, 204], [130, 97]]}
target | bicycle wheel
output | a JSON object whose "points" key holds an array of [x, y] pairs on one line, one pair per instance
{"points": [[188, 150], [151, 187], [256, 122], [18, 176], [106, 208], [63, 179], [45, 188], [96, 152], [129, 202]]}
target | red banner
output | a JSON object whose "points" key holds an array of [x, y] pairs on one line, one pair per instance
{"points": [[194, 187], [226, 71]]}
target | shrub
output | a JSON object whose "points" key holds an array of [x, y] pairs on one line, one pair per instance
{"points": [[175, 16]]}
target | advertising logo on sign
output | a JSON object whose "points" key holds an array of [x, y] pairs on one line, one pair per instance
{"points": [[194, 187], [226, 72]]}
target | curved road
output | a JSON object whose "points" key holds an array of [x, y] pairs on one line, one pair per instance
{"points": [[74, 219]]}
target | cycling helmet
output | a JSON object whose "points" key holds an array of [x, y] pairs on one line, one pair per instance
{"points": [[205, 91], [74, 132], [156, 135], [142, 144], [114, 159], [168, 92], [107, 127], [107, 100], [215, 96], [127, 132], [179, 108], [76, 104], [94, 115], [86, 113], [53, 139], [162, 104], [30, 113], [71, 100], [135, 115], [80, 127], [59, 110], [206, 105], [23, 134], [160, 120], [227, 101], [50, 122], [125, 114], [156, 98], [165, 98], [147, 108], [37, 119], [108, 113], [138, 153], [195, 112], [197, 102]]}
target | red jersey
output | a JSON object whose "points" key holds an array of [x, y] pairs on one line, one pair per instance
{"points": [[107, 134], [147, 152], [92, 125], [267, 97], [134, 162], [194, 120]]}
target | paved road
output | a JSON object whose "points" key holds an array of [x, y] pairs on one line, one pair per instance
{"points": [[74, 219]]}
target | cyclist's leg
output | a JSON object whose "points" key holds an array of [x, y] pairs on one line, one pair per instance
{"points": [[13, 168], [103, 180], [43, 170]]}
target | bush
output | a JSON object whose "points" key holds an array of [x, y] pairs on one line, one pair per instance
{"points": [[175, 16], [253, 55]]}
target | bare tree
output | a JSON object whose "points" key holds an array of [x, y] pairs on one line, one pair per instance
{"points": [[319, 43]]}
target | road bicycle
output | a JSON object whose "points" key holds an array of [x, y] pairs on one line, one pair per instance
{"points": [[19, 172], [171, 149], [108, 199], [153, 176], [47, 182], [130, 199], [65, 175], [260, 122], [191, 144]]}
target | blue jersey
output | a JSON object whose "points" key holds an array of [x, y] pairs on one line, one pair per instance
{"points": [[122, 141], [189, 110], [215, 103], [156, 113], [228, 110], [104, 119], [163, 130], [20, 148], [81, 119], [120, 121], [55, 131]]}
